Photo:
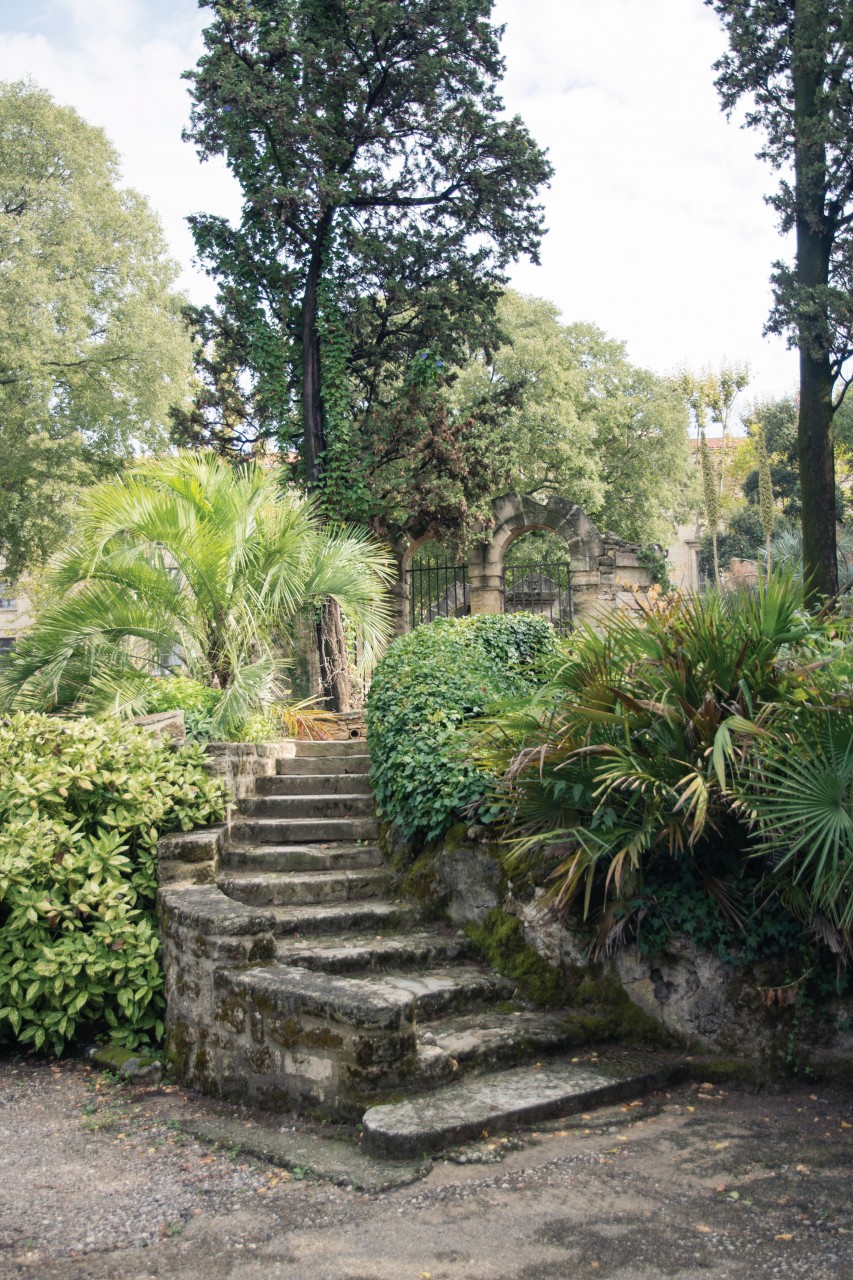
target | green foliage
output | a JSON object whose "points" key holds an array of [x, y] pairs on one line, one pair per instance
{"points": [[742, 539], [585, 422], [385, 191], [428, 684], [713, 731], [82, 805], [500, 939], [187, 563], [93, 348], [790, 64], [179, 693]]}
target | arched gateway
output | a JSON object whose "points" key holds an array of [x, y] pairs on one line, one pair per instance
{"points": [[603, 567]]}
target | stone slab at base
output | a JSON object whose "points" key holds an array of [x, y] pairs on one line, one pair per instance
{"points": [[498, 1102]]}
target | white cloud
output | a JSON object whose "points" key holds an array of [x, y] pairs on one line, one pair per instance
{"points": [[658, 230]]}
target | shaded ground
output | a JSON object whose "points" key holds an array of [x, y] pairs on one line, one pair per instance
{"points": [[100, 1181]]}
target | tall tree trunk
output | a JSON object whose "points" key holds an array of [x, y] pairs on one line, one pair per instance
{"points": [[334, 665], [312, 392], [331, 641], [814, 244]]}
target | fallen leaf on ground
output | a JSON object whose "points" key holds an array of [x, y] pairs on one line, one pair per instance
{"points": [[706, 1231]]}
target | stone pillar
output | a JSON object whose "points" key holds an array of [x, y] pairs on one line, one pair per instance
{"points": [[485, 579]]}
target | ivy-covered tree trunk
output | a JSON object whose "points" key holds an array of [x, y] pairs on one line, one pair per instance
{"points": [[815, 235], [790, 62]]}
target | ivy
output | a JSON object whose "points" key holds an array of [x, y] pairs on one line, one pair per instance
{"points": [[430, 683]]}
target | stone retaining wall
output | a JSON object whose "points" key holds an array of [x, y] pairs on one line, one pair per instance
{"points": [[716, 1006]]}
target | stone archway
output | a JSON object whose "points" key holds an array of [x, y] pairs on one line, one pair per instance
{"points": [[603, 567]]}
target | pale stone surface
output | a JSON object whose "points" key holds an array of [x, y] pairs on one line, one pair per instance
{"points": [[492, 1103]]}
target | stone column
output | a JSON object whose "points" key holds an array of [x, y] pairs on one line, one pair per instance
{"points": [[485, 579]]}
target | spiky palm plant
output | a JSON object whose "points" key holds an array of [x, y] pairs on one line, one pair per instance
{"points": [[188, 561], [786, 550], [631, 752]]}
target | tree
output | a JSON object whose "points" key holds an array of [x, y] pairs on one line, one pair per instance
{"points": [[93, 350], [380, 182], [585, 422], [236, 411], [186, 563], [792, 61]]}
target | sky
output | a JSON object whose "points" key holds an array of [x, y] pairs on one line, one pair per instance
{"points": [[658, 229]]}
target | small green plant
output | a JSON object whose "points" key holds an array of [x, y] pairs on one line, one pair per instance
{"points": [[427, 685], [82, 805]]}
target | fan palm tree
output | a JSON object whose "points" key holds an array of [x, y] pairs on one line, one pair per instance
{"points": [[187, 563]]}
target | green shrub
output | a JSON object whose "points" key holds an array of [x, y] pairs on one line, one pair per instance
{"points": [[431, 681], [179, 693], [82, 804]]}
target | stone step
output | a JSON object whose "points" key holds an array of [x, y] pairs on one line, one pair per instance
{"points": [[361, 952], [301, 888], [304, 857], [306, 749], [493, 1103], [337, 806], [360, 1003], [494, 1038], [313, 784], [371, 916], [438, 991], [301, 830], [327, 766]]}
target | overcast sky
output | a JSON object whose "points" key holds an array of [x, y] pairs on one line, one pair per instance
{"points": [[658, 228]]}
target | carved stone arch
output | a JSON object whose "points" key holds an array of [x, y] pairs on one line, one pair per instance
{"points": [[516, 514], [603, 567]]}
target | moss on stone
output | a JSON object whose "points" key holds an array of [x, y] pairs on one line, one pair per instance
{"points": [[500, 940], [603, 994]]}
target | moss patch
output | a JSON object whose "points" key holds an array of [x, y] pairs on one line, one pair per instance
{"points": [[603, 993], [500, 940]]}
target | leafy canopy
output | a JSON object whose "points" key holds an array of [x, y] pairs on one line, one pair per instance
{"points": [[790, 62], [93, 351], [191, 565], [384, 194], [584, 422]]}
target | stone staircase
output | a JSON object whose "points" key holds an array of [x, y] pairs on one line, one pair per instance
{"points": [[295, 980]]}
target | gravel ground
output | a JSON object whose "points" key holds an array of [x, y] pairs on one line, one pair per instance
{"points": [[99, 1182]]}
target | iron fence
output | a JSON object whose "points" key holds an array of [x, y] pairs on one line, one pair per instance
{"points": [[437, 589], [544, 589]]}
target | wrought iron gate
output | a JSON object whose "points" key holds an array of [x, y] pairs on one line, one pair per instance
{"points": [[544, 589], [437, 589]]}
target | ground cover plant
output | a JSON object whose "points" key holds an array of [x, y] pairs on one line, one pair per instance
{"points": [[691, 770], [426, 686], [82, 804]]}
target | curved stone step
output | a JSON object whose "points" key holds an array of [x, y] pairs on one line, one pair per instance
{"points": [[362, 952], [345, 805], [313, 784], [493, 1038], [307, 749], [493, 1103], [328, 766], [437, 991], [300, 888], [375, 916], [299, 830], [305, 857]]}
